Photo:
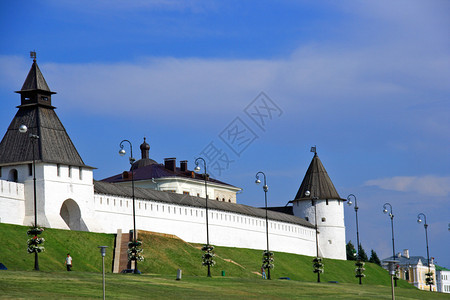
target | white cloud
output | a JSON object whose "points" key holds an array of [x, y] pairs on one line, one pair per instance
{"points": [[425, 185]]}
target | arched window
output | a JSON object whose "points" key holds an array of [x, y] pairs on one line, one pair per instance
{"points": [[13, 175]]}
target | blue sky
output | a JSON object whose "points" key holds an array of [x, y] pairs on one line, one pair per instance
{"points": [[367, 82]]}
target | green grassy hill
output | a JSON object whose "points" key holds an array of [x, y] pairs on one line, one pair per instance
{"points": [[164, 255], [81, 245]]}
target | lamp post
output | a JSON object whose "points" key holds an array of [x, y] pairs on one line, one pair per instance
{"points": [[122, 152], [265, 188], [205, 175], [317, 261], [392, 270], [425, 225], [34, 138], [391, 215], [103, 253], [349, 202]]}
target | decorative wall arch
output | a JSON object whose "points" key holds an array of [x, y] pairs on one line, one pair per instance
{"points": [[13, 175], [71, 214]]}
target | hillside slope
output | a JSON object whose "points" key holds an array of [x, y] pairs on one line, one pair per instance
{"points": [[164, 255]]}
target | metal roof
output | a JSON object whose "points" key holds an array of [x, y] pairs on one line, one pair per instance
{"points": [[317, 182], [412, 260], [54, 144], [35, 80], [155, 170], [105, 188]]}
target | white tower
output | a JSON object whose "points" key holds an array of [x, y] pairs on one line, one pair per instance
{"points": [[64, 184], [318, 202]]}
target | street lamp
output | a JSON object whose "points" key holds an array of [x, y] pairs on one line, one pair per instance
{"points": [[425, 225], [317, 261], [205, 175], [392, 270], [267, 255], [34, 138], [349, 202], [103, 253], [391, 215], [122, 152]]}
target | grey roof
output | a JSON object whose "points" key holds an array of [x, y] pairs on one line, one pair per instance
{"points": [[54, 144], [412, 260], [155, 170], [35, 80], [106, 188], [318, 182]]}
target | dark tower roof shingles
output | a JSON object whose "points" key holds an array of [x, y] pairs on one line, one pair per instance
{"points": [[318, 182], [35, 80], [54, 144]]}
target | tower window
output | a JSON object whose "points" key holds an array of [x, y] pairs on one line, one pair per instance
{"points": [[30, 169], [70, 172], [324, 219], [45, 98], [27, 98], [327, 201], [58, 170], [307, 219], [13, 175], [80, 173]]}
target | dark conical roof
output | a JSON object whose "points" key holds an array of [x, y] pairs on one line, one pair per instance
{"points": [[54, 144], [35, 80], [317, 182]]}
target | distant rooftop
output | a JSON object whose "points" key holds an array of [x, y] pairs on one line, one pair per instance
{"points": [[147, 169]]}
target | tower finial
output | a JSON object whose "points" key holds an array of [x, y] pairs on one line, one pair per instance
{"points": [[314, 149], [33, 55]]}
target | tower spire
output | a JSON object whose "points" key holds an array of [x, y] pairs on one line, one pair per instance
{"points": [[317, 182], [33, 55]]}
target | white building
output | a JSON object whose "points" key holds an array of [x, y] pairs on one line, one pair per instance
{"points": [[168, 199], [443, 279], [147, 173]]}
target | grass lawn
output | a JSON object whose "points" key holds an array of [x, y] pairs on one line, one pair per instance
{"points": [[87, 285], [163, 256]]}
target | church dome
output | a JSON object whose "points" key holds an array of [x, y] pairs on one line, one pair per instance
{"points": [[145, 160]]}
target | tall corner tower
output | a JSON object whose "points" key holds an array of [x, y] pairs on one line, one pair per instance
{"points": [[318, 202], [64, 184]]}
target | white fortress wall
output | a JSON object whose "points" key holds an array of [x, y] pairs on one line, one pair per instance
{"points": [[12, 199], [189, 223]]}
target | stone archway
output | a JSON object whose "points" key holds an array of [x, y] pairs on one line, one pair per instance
{"points": [[71, 214]]}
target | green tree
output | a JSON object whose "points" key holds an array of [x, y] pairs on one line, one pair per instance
{"points": [[362, 254], [374, 258], [351, 251]]}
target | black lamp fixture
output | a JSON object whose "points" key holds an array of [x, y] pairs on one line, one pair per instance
{"points": [[207, 248], [34, 138], [267, 259], [429, 278], [391, 216], [122, 152], [359, 264]]}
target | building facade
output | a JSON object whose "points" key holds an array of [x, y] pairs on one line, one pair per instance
{"points": [[413, 269], [443, 279]]}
